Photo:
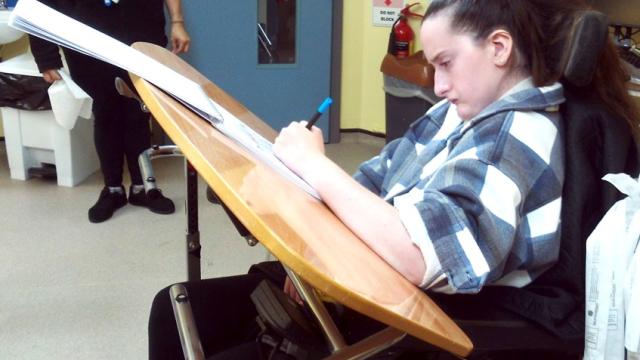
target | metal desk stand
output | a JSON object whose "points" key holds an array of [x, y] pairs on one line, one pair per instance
{"points": [[191, 202], [339, 349], [149, 180]]}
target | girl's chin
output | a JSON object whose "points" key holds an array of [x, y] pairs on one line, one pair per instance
{"points": [[463, 113]]}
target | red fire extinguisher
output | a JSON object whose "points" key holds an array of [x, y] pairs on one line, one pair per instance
{"points": [[401, 37]]}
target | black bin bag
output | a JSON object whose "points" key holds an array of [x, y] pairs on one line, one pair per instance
{"points": [[24, 92]]}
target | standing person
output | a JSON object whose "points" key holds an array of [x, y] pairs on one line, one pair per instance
{"points": [[121, 129], [470, 196]]}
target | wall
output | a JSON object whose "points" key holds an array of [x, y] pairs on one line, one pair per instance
{"points": [[364, 46]]}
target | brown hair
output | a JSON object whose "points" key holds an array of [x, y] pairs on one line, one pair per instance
{"points": [[610, 84], [540, 30]]}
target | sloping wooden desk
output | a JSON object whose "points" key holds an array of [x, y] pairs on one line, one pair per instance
{"points": [[295, 227]]}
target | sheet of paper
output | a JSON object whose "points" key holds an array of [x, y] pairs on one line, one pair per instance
{"points": [[259, 146], [39, 20], [611, 318], [68, 101]]}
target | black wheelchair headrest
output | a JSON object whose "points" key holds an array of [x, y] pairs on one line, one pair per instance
{"points": [[586, 40]]}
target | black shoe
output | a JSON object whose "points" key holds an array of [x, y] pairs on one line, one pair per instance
{"points": [[106, 205], [137, 199], [153, 200]]}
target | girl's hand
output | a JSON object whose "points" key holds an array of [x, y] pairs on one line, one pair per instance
{"points": [[299, 148]]}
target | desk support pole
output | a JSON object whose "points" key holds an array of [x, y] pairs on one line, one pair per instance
{"points": [[369, 346], [340, 351], [191, 206], [325, 321], [193, 233]]}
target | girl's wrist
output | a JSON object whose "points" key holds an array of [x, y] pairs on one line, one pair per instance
{"points": [[314, 170]]}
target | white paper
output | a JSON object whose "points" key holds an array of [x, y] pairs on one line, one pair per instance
{"points": [[632, 296], [259, 146], [602, 315], [39, 20], [612, 316]]}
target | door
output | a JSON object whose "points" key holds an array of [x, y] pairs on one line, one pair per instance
{"points": [[274, 56]]}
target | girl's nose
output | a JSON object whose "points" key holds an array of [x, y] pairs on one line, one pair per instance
{"points": [[441, 84]]}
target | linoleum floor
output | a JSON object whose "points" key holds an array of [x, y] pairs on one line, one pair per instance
{"points": [[70, 289]]}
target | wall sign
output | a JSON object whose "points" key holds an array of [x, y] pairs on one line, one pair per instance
{"points": [[385, 12]]}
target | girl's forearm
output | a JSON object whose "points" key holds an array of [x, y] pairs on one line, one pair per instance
{"points": [[372, 219]]}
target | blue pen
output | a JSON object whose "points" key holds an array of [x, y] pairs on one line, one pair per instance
{"points": [[321, 109]]}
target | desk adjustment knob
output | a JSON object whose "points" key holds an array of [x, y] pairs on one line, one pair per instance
{"points": [[251, 240]]}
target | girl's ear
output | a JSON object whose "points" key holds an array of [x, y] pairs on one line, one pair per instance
{"points": [[501, 46]]}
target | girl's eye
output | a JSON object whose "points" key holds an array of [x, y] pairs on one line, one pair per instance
{"points": [[444, 64]]}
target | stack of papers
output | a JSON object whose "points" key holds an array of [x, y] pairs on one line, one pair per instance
{"points": [[40, 20]]}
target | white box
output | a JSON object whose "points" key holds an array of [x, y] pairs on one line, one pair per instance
{"points": [[34, 137]]}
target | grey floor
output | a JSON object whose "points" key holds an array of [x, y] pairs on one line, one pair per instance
{"points": [[70, 289]]}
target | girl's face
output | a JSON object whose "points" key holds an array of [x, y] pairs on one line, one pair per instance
{"points": [[470, 73]]}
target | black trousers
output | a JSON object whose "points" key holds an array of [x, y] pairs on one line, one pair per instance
{"points": [[121, 129], [225, 317]]}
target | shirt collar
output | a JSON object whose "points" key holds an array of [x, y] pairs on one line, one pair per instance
{"points": [[522, 85], [524, 98]]}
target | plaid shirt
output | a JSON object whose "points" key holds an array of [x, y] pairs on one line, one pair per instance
{"points": [[480, 198]]}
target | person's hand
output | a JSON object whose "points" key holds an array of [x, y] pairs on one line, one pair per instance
{"points": [[290, 290], [51, 75], [180, 40], [298, 147]]}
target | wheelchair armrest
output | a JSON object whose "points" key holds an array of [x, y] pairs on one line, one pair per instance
{"points": [[189, 338]]}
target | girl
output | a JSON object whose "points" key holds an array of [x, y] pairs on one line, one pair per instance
{"points": [[469, 196]]}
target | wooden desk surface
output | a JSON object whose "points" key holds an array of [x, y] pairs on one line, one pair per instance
{"points": [[298, 229]]}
